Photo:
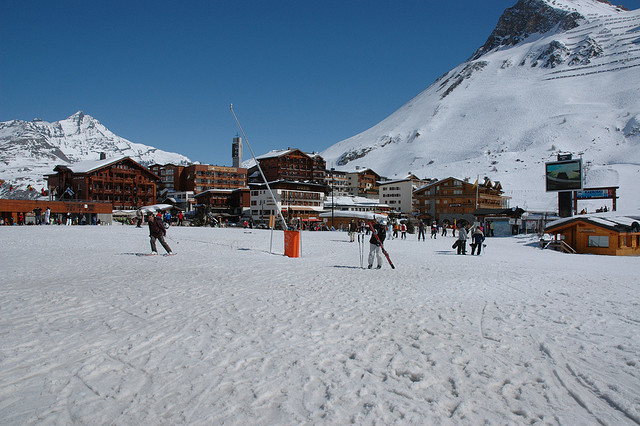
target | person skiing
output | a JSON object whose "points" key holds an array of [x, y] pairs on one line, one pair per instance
{"points": [[157, 231], [403, 231], [477, 238], [375, 249]]}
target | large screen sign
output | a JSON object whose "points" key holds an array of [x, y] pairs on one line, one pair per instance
{"points": [[564, 175]]}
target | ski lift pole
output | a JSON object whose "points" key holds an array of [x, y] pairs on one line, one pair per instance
{"points": [[284, 222]]}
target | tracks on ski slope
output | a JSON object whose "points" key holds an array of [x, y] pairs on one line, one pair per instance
{"points": [[203, 337]]}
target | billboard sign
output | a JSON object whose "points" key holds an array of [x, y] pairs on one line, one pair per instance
{"points": [[596, 193], [564, 175]]}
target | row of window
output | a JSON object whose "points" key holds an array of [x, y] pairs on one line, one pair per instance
{"points": [[220, 174], [220, 182]]}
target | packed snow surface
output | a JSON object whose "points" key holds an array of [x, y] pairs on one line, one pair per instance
{"points": [[228, 332]]}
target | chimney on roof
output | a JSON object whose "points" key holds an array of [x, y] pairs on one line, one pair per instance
{"points": [[103, 156]]}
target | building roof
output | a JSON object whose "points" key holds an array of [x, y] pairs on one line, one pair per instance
{"points": [[89, 165], [361, 171], [277, 153], [349, 201], [511, 212], [354, 215], [220, 191], [83, 167], [486, 183], [319, 187]]}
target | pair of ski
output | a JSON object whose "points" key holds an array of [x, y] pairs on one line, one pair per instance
{"points": [[375, 234]]}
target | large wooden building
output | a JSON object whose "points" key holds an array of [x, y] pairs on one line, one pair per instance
{"points": [[120, 181], [452, 199], [290, 165], [169, 175], [204, 177], [598, 234], [364, 183], [225, 204]]}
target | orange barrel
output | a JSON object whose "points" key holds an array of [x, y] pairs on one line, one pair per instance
{"points": [[292, 243]]}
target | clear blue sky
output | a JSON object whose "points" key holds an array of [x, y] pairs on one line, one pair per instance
{"points": [[303, 74]]}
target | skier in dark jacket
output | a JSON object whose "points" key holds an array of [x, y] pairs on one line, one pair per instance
{"points": [[421, 229], [375, 249], [477, 238], [157, 231]]}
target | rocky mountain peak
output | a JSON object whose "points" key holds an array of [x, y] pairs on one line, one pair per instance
{"points": [[528, 17]]}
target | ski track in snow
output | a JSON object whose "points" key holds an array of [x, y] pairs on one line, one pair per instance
{"points": [[226, 332]]}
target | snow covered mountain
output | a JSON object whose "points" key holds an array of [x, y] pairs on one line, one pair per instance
{"points": [[29, 150], [555, 76]]}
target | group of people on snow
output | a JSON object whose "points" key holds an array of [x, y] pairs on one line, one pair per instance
{"points": [[477, 240]]}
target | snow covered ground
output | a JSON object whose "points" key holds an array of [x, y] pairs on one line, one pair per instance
{"points": [[225, 332]]}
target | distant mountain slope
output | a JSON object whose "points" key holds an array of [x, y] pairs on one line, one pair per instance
{"points": [[31, 149], [554, 76]]}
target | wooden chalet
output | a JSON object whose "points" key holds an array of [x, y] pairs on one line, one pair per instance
{"points": [[121, 181], [226, 204], [364, 183], [290, 165], [452, 199], [205, 177], [597, 234]]}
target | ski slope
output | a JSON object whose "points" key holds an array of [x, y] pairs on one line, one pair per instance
{"points": [[227, 332]]}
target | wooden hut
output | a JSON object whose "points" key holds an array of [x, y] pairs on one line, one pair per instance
{"points": [[599, 234]]}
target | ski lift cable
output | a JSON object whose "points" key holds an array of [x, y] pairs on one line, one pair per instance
{"points": [[273, 198]]}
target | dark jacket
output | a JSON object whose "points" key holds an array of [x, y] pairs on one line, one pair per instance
{"points": [[380, 231], [156, 227], [477, 237]]}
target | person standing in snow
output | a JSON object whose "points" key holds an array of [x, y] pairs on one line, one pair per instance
{"points": [[477, 238], [434, 230], [462, 240], [421, 230], [47, 216], [403, 231], [157, 232], [353, 228], [375, 249]]}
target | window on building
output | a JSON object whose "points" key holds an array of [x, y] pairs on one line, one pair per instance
{"points": [[598, 241]]}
